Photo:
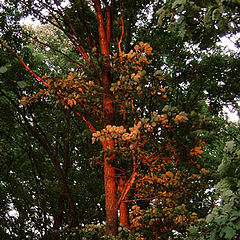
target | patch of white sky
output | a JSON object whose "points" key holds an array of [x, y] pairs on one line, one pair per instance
{"points": [[229, 43], [30, 20]]}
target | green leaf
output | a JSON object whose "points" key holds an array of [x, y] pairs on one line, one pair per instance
{"points": [[229, 146], [221, 220], [3, 69], [228, 193], [227, 207], [193, 229], [209, 218], [22, 84], [237, 225], [235, 213], [229, 232], [216, 14], [162, 14], [178, 2]]}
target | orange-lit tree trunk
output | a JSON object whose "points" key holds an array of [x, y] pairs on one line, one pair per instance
{"points": [[110, 189], [111, 200], [123, 215], [108, 145], [123, 210]]}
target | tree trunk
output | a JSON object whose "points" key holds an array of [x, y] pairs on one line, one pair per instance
{"points": [[57, 218], [123, 217], [108, 145], [110, 190], [109, 170], [123, 210]]}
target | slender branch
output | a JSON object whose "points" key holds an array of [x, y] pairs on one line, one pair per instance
{"points": [[68, 22], [101, 28], [24, 65], [43, 134], [58, 25], [57, 51], [79, 47], [48, 86], [51, 8], [232, 136], [66, 145], [139, 199], [11, 139], [80, 5], [109, 24], [130, 24], [121, 38], [113, 9], [51, 155], [128, 186]]}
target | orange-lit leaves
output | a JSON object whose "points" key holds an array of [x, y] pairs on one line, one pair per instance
{"points": [[196, 151]]}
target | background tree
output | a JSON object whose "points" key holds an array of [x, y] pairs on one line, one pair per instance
{"points": [[203, 22], [32, 137]]}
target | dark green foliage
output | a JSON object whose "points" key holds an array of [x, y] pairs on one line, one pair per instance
{"points": [[202, 22], [224, 219]]}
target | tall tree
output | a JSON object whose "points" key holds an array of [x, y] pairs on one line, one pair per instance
{"points": [[114, 88]]}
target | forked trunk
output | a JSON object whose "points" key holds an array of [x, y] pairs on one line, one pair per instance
{"points": [[104, 33]]}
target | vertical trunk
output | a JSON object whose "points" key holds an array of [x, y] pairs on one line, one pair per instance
{"points": [[45, 144], [110, 191], [109, 170], [57, 218], [73, 221], [123, 210], [123, 217]]}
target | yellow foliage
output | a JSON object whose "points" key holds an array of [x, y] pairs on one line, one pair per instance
{"points": [[117, 132], [44, 76], [204, 171], [169, 174], [181, 117], [196, 151], [24, 101]]}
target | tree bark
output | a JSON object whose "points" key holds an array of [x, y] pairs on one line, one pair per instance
{"points": [[108, 145], [123, 217], [109, 157], [110, 189], [123, 210], [57, 218]]}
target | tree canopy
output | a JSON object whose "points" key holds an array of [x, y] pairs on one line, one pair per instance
{"points": [[112, 120]]}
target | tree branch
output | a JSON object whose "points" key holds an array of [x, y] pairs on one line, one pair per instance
{"points": [[57, 51], [91, 127], [51, 155], [101, 28], [121, 38], [128, 186]]}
